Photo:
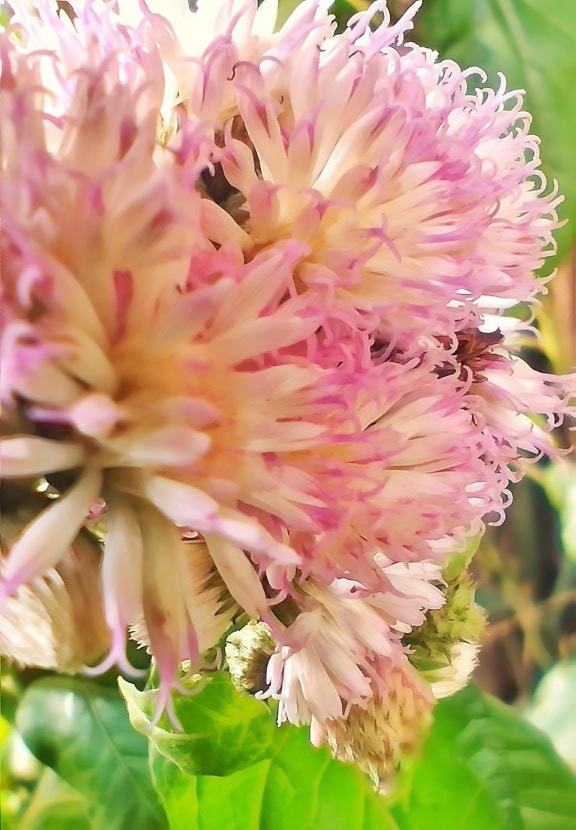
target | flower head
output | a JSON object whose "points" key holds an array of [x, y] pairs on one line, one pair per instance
{"points": [[248, 279], [329, 658]]}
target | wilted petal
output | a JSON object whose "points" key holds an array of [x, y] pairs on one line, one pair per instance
{"points": [[121, 579], [171, 633]]}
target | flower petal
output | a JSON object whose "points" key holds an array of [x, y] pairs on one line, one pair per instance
{"points": [[29, 455], [122, 579], [50, 535], [238, 574]]}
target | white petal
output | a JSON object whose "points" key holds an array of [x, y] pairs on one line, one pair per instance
{"points": [[164, 581], [122, 565], [84, 360], [95, 415], [265, 18], [263, 335], [247, 533], [218, 226], [267, 276], [185, 505], [189, 507], [171, 446]]}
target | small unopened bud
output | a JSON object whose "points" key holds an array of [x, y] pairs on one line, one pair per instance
{"points": [[247, 654], [451, 678], [444, 649]]}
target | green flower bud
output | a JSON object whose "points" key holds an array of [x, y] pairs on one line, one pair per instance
{"points": [[445, 647]]}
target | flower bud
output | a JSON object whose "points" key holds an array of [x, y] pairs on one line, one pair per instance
{"points": [[247, 653], [392, 726], [445, 647], [450, 678]]}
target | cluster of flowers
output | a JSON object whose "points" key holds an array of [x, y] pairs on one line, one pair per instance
{"points": [[253, 334]]}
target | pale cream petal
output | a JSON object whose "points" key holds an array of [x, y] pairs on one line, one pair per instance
{"points": [[238, 574], [260, 336], [122, 564], [169, 446], [29, 455], [185, 505]]}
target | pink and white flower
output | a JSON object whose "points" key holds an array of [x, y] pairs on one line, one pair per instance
{"points": [[329, 658], [245, 275]]}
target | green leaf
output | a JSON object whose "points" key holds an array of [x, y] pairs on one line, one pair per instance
{"points": [[285, 9], [532, 42], [82, 731], [224, 731], [11, 691], [55, 806], [300, 787], [483, 766]]}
